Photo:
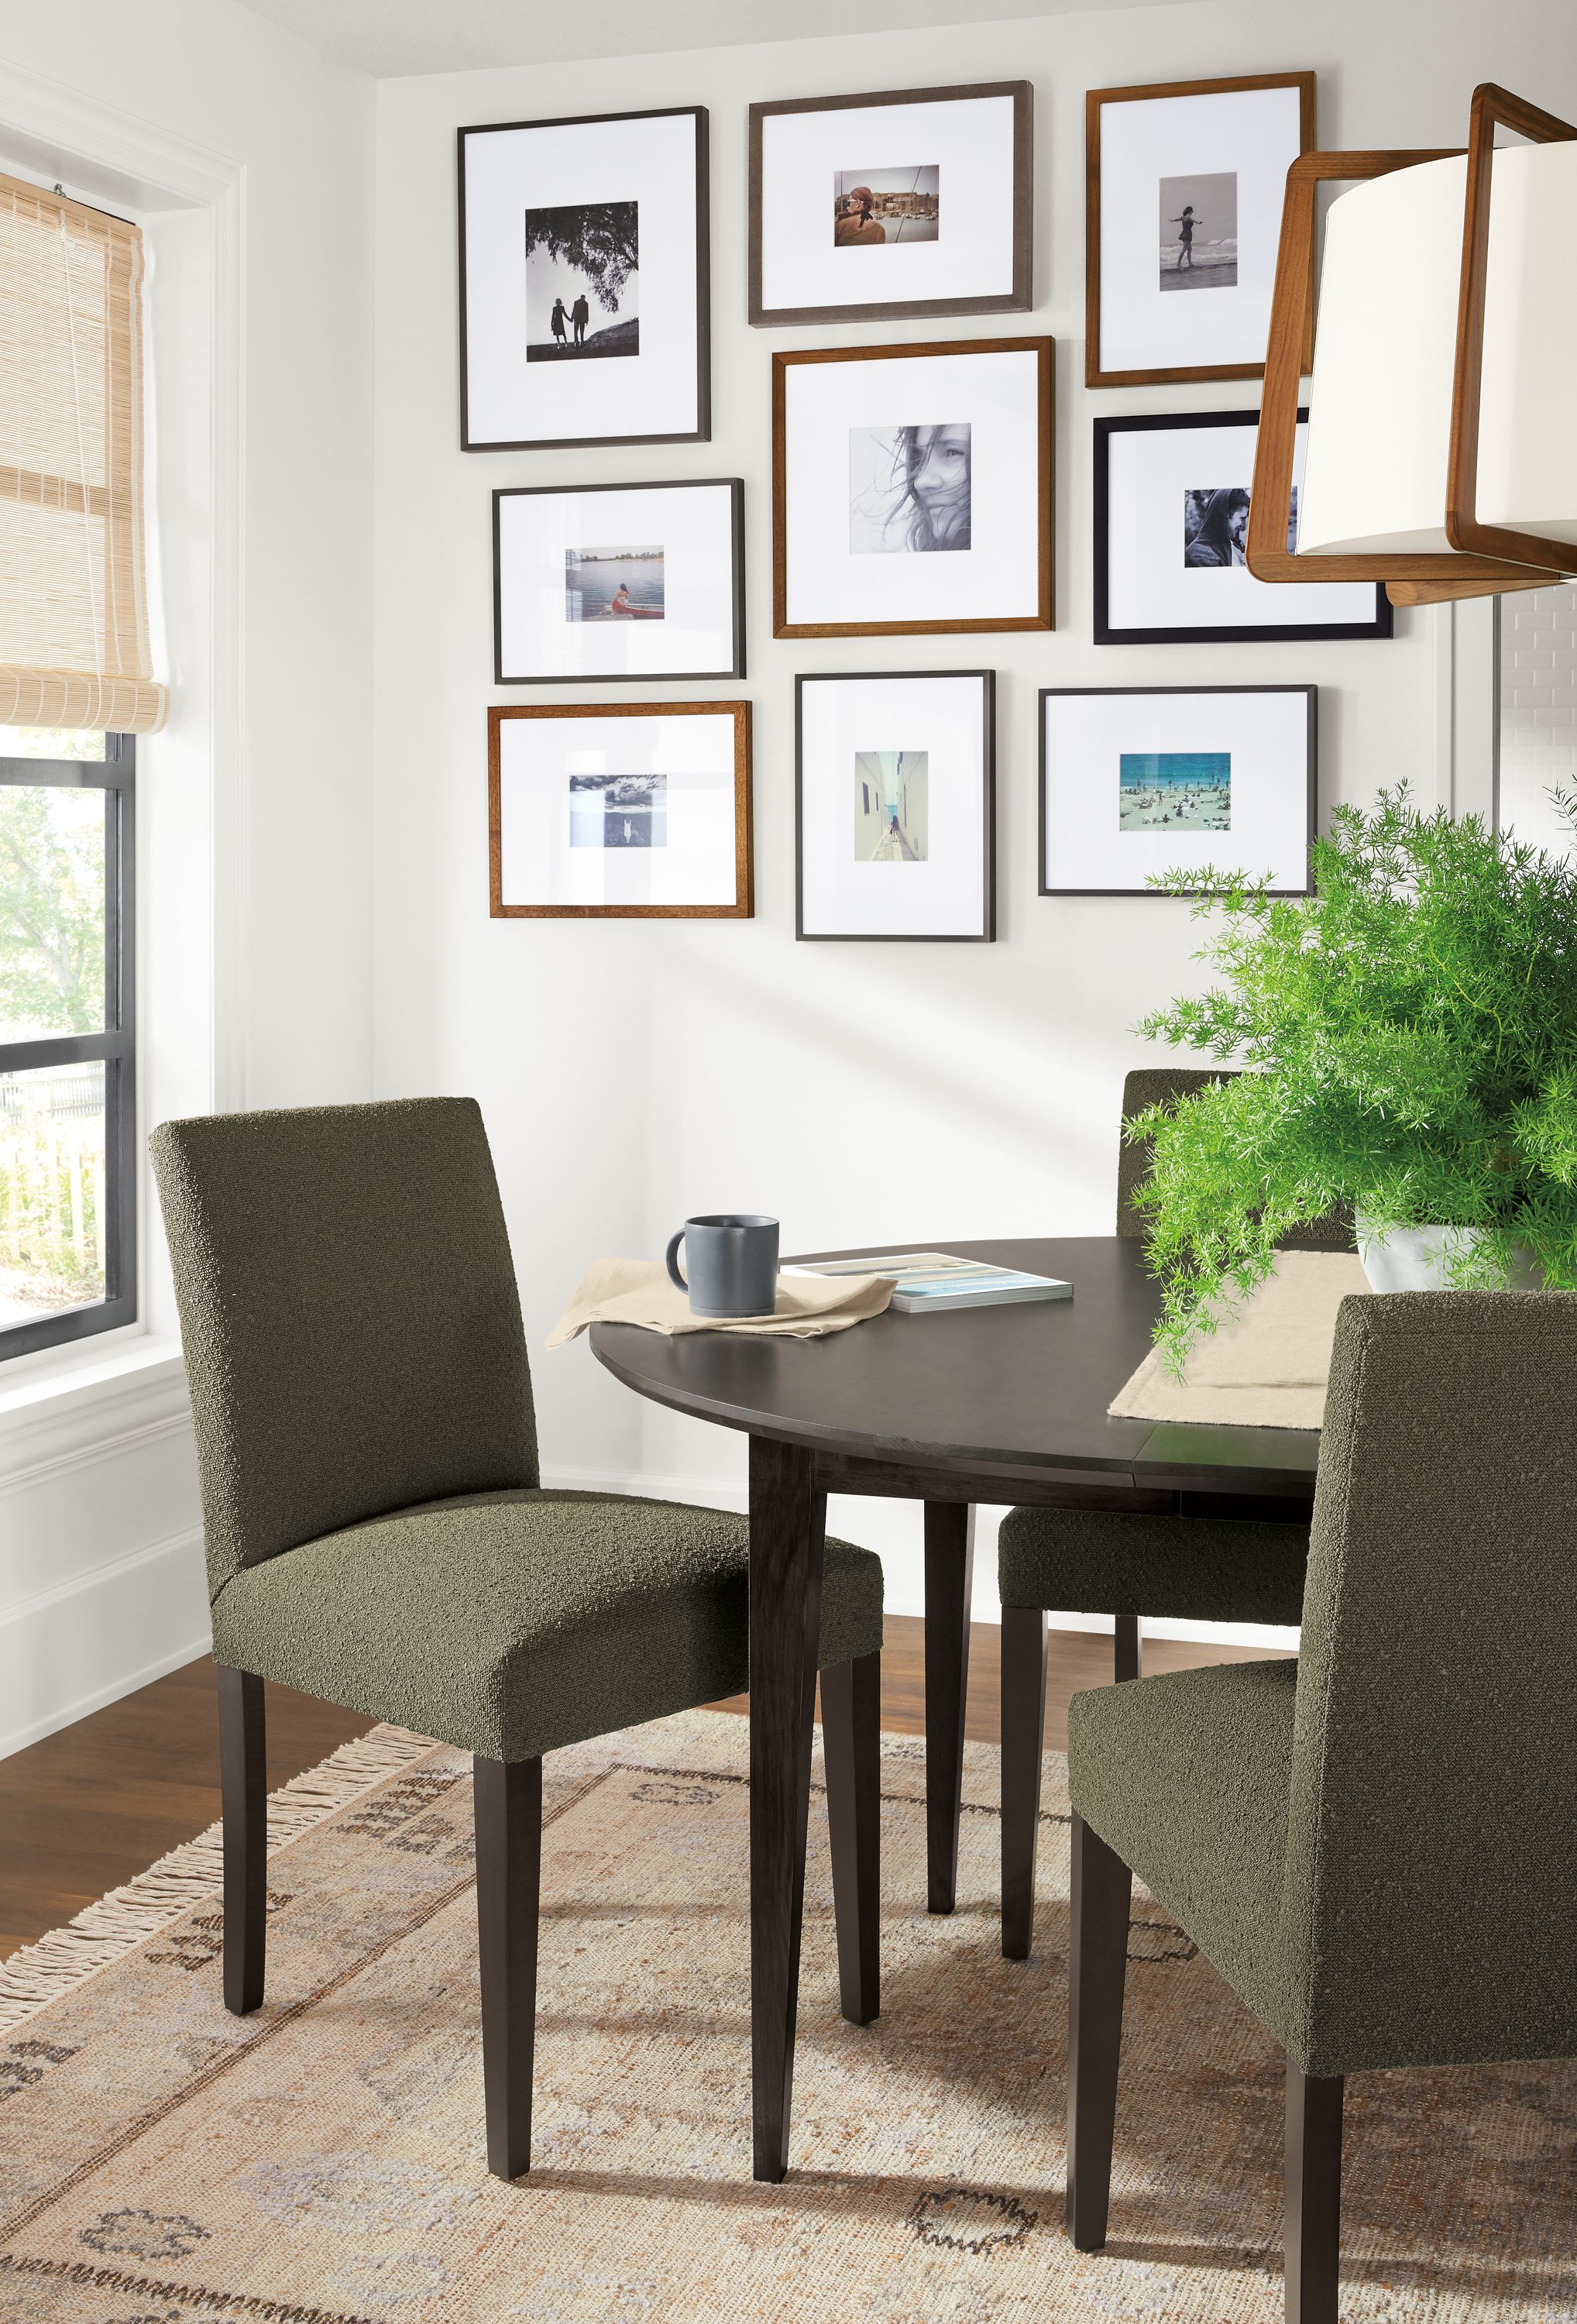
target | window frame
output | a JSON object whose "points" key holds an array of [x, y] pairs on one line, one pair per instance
{"points": [[115, 1046]]}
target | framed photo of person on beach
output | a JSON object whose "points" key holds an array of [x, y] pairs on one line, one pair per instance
{"points": [[1185, 181], [912, 489], [618, 581], [912, 202], [583, 283], [1140, 780], [895, 807], [1171, 524], [633, 810]]}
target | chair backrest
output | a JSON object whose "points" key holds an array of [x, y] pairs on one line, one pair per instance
{"points": [[1430, 1883], [349, 1315], [1153, 1085]]}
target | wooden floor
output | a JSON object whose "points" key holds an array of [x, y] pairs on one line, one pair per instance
{"points": [[95, 1804]]}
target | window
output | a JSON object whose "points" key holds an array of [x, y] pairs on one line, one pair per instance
{"points": [[68, 1074]]}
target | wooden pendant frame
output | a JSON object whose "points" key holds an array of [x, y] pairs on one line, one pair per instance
{"points": [[1485, 560]]}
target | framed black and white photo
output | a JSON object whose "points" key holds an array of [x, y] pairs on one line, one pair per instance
{"points": [[618, 581], [1136, 780], [1171, 522], [912, 202], [637, 810], [912, 489], [895, 807], [1184, 187], [583, 282]]}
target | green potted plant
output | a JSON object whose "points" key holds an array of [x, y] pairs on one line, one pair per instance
{"points": [[1407, 1041]]}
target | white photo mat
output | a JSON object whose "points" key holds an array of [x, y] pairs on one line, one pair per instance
{"points": [[1253, 134], [1266, 733], [948, 718], [831, 411], [659, 392], [554, 769], [686, 546], [1148, 469], [969, 142]]}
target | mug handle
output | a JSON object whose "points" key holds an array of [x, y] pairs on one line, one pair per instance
{"points": [[674, 1277]]}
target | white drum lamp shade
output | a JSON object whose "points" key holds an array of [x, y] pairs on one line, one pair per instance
{"points": [[1375, 476]]}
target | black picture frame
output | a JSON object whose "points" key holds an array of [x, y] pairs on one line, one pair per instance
{"points": [[1311, 786], [1383, 625], [735, 669], [987, 931], [702, 431]]}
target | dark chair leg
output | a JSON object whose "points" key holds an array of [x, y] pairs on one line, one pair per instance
{"points": [[1313, 2183], [243, 1794], [851, 1733], [1023, 1742], [509, 1869], [1127, 1660], [1097, 1965], [949, 1579]]}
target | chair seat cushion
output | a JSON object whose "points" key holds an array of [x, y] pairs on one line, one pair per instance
{"points": [[1188, 1776], [1116, 1561], [512, 1623]]}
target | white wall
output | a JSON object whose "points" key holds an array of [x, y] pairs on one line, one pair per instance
{"points": [[250, 158], [1538, 712], [632, 1073]]}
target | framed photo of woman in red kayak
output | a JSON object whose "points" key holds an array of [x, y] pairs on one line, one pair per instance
{"points": [[618, 581]]}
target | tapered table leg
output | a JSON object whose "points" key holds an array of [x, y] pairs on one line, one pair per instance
{"points": [[949, 1579], [787, 1522], [1098, 1905]]}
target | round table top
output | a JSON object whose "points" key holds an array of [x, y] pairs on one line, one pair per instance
{"points": [[1021, 1388]]}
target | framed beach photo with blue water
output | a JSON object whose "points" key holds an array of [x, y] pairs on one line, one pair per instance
{"points": [[613, 582], [632, 810], [583, 282], [1171, 524], [1137, 782]]}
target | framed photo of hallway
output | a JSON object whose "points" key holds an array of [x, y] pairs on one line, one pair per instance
{"points": [[912, 489], [583, 282], [634, 810]]}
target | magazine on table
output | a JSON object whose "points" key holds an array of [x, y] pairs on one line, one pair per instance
{"points": [[926, 1282]]}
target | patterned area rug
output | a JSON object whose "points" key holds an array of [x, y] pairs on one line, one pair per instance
{"points": [[321, 2162]]}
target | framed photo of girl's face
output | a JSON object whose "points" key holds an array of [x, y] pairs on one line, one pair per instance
{"points": [[1171, 526], [583, 282], [912, 489], [916, 201], [1183, 220]]}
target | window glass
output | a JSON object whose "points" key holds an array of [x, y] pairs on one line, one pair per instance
{"points": [[52, 1218], [53, 893], [81, 742]]}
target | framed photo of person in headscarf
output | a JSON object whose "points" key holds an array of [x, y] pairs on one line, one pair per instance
{"points": [[1171, 520], [912, 489]]}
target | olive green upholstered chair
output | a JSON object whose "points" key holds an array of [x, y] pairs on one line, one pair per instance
{"points": [[1375, 1845], [377, 1534], [1127, 1553]]}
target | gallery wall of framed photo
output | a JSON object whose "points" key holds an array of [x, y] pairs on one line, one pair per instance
{"points": [[786, 1061]]}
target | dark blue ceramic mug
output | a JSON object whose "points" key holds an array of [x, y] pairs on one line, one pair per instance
{"points": [[732, 1259]]}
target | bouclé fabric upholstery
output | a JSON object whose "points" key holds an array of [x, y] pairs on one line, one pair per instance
{"points": [[1378, 1845], [1118, 1561], [375, 1529]]}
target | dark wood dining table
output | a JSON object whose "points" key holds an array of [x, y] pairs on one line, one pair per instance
{"points": [[991, 1405]]}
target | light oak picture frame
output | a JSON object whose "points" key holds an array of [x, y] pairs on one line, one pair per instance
{"points": [[501, 714]]}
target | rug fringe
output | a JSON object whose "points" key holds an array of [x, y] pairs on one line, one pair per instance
{"points": [[193, 1873]]}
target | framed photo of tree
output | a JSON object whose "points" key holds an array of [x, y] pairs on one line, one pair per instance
{"points": [[583, 282]]}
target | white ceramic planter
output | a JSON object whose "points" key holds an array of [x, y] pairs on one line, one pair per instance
{"points": [[1414, 1258]]}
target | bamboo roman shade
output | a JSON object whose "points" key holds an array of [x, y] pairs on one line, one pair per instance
{"points": [[73, 597]]}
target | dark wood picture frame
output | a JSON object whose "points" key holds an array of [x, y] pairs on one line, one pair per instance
{"points": [[1095, 376], [735, 484], [743, 906], [987, 932], [1047, 693], [702, 431], [1221, 633], [1017, 300], [1045, 616]]}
